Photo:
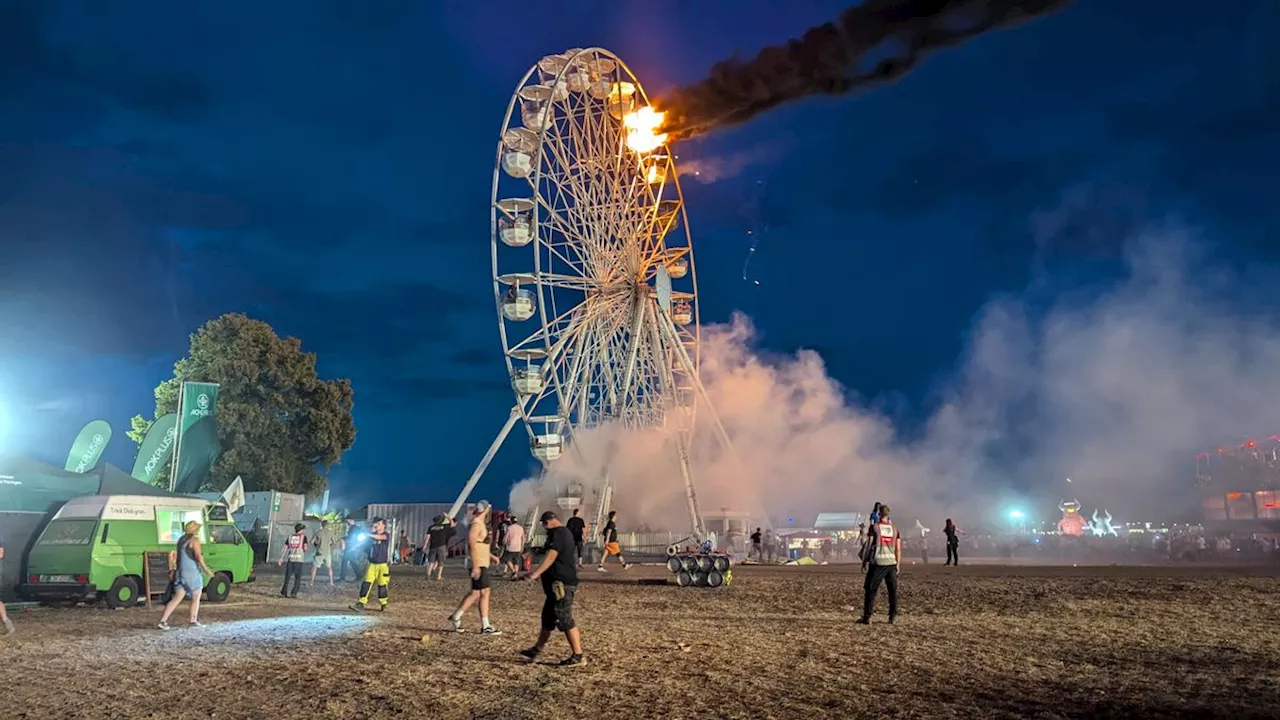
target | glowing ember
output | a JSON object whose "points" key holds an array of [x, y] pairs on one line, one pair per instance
{"points": [[642, 130]]}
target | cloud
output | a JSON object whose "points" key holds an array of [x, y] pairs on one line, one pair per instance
{"points": [[1114, 386]]}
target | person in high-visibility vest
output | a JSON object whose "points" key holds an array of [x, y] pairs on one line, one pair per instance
{"points": [[379, 571], [884, 554]]}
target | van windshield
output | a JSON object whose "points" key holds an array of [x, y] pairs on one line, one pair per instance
{"points": [[69, 532]]}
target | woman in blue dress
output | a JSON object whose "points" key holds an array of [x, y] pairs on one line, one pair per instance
{"points": [[187, 580]]}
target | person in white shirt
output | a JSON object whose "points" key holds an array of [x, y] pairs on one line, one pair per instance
{"points": [[513, 549]]}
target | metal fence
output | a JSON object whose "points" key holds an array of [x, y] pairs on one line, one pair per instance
{"points": [[639, 545], [413, 518]]}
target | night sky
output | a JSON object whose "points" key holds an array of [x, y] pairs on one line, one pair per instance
{"points": [[325, 166]]}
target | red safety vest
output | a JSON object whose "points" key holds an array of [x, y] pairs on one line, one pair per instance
{"points": [[886, 543]]}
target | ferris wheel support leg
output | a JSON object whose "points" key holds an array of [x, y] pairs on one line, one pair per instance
{"points": [[686, 364], [695, 516], [484, 461]]}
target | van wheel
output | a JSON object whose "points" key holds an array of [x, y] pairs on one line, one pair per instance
{"points": [[219, 587], [123, 592]]}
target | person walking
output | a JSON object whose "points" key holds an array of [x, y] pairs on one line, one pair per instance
{"points": [[291, 555], [4, 614], [481, 584], [953, 543], [379, 570], [187, 580], [578, 530], [884, 557], [404, 547], [756, 550], [513, 548], [611, 545], [350, 549], [868, 542], [324, 543], [770, 546], [558, 572], [438, 537]]}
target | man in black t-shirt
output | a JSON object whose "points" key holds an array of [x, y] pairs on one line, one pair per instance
{"points": [[559, 574], [756, 538], [578, 529], [611, 544], [438, 537]]}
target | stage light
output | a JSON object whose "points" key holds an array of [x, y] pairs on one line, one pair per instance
{"points": [[1016, 514]]}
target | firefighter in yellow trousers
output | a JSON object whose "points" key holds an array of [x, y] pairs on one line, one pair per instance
{"points": [[379, 571]]}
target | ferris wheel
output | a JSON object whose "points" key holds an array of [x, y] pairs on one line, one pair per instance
{"points": [[593, 273]]}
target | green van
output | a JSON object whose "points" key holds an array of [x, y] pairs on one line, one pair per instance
{"points": [[93, 548]]}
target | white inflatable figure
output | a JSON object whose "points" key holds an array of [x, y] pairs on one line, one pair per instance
{"points": [[1102, 526], [923, 530], [1107, 526]]}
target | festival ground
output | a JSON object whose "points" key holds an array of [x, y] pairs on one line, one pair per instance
{"points": [[977, 641]]}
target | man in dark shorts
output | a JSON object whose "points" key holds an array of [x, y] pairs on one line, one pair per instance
{"points": [[559, 574], [578, 529], [481, 583], [438, 537]]}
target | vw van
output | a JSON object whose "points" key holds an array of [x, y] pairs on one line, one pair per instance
{"points": [[94, 547]]}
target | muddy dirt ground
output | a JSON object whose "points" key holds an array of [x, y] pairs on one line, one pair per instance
{"points": [[977, 641]]}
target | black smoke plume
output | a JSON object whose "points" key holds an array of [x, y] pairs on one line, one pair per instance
{"points": [[833, 58]]}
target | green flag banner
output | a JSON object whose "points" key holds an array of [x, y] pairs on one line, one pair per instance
{"points": [[88, 446], [156, 448], [197, 453], [197, 405]]}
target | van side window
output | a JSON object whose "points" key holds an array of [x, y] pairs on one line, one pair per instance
{"points": [[105, 528], [222, 533]]}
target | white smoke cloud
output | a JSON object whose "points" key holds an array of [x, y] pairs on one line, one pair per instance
{"points": [[714, 168], [1116, 389]]}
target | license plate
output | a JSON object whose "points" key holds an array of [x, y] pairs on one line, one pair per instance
{"points": [[57, 578]]}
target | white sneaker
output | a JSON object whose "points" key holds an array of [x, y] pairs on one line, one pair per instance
{"points": [[457, 623], [196, 623], [601, 569], [491, 630], [164, 626], [8, 626]]}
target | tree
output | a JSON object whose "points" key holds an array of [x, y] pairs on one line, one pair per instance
{"points": [[138, 428], [278, 423]]}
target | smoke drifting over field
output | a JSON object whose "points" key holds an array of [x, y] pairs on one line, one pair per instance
{"points": [[1116, 391], [874, 42]]}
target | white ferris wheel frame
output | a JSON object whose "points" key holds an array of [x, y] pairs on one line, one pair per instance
{"points": [[610, 250]]}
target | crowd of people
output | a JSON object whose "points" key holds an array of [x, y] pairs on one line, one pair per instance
{"points": [[498, 547]]}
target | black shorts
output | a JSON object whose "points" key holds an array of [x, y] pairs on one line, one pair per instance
{"points": [[557, 609], [512, 557], [579, 545], [483, 582]]}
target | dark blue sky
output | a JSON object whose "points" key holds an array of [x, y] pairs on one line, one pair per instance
{"points": [[325, 166]]}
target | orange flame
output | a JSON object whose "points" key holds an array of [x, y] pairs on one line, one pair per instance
{"points": [[642, 130]]}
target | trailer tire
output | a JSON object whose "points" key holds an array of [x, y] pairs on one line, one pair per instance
{"points": [[123, 592], [219, 587]]}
